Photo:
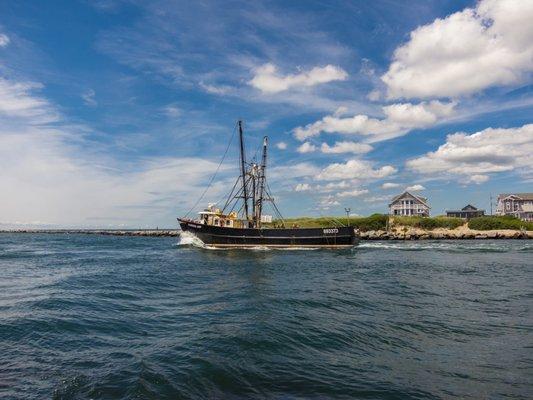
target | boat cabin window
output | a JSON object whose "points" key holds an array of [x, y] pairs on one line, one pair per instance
{"points": [[228, 223], [216, 221]]}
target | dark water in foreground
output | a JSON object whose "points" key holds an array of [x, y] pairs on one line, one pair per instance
{"points": [[101, 317]]}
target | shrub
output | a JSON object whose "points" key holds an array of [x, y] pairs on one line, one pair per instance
{"points": [[498, 222], [429, 223], [375, 222], [372, 223]]}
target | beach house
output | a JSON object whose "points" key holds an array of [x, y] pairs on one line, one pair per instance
{"points": [[408, 204], [468, 211], [519, 205]]}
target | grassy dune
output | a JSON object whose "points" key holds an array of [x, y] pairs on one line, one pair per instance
{"points": [[377, 222]]}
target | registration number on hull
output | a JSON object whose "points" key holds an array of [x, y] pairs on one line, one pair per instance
{"points": [[330, 231]]}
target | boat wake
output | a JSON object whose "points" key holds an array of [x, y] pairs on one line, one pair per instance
{"points": [[451, 246], [188, 239]]}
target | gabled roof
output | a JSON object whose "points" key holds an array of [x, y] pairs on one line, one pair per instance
{"points": [[421, 199], [469, 207], [522, 196]]}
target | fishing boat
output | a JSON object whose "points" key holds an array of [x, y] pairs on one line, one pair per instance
{"points": [[240, 222]]}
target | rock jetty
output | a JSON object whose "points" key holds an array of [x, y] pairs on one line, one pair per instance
{"points": [[445, 234], [113, 232]]}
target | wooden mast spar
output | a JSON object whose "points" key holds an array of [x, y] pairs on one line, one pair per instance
{"points": [[243, 172]]}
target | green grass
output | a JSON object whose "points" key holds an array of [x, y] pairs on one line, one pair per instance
{"points": [[372, 223], [498, 222], [428, 223], [376, 222]]}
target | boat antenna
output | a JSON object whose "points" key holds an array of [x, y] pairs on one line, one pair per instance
{"points": [[243, 170], [214, 175]]}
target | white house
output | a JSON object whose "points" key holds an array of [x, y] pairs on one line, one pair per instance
{"points": [[409, 204], [519, 205]]}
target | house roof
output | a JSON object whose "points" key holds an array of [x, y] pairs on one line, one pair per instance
{"points": [[466, 210], [423, 200], [523, 196], [469, 207]]}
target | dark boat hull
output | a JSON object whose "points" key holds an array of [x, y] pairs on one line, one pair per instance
{"points": [[222, 237]]}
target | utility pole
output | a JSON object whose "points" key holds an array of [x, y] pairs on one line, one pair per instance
{"points": [[491, 204]]}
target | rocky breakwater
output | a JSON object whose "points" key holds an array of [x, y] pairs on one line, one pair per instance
{"points": [[113, 232], [444, 234]]}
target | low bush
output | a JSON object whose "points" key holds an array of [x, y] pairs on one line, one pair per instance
{"points": [[498, 222], [372, 223], [375, 222], [429, 223]]}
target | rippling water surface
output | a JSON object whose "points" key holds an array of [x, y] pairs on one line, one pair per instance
{"points": [[99, 317]]}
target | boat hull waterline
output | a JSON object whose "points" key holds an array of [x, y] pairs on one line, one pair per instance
{"points": [[223, 237]]}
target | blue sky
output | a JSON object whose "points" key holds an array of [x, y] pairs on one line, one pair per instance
{"points": [[116, 113]]}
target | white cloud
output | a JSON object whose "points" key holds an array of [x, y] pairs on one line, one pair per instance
{"points": [[302, 187], [415, 188], [268, 80], [327, 202], [292, 171], [399, 119], [18, 101], [374, 95], [334, 186], [281, 145], [215, 89], [465, 52], [472, 157], [478, 179], [352, 193], [88, 98], [306, 148], [172, 111], [377, 199], [4, 40], [47, 177], [346, 147], [52, 174], [390, 185], [354, 169]]}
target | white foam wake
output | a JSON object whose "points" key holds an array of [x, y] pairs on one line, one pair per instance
{"points": [[188, 239]]}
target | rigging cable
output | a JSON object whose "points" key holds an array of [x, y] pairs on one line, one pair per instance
{"points": [[215, 174]]}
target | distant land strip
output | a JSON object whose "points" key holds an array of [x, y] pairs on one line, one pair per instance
{"points": [[405, 233], [114, 232]]}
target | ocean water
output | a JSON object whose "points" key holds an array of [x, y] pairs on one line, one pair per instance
{"points": [[101, 317]]}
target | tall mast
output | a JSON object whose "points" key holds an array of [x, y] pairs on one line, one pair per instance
{"points": [[262, 178], [243, 171]]}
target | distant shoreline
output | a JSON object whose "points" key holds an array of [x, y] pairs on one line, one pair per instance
{"points": [[110, 232], [396, 234]]}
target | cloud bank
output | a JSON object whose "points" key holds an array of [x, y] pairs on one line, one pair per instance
{"points": [[464, 53], [399, 119], [470, 158]]}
